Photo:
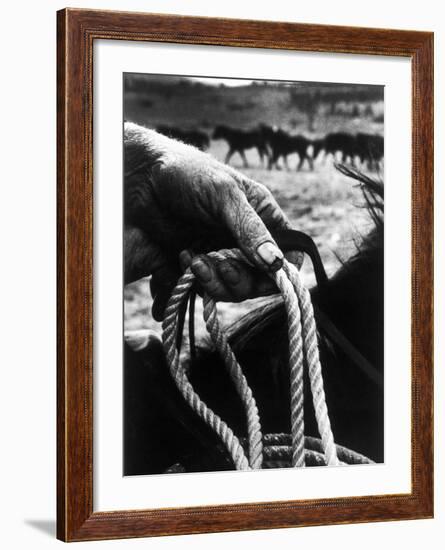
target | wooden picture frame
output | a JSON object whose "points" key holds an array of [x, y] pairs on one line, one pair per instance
{"points": [[77, 31]]}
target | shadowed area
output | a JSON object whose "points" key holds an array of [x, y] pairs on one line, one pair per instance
{"points": [[46, 526]]}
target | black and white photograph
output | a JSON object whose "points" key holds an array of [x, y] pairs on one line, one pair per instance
{"points": [[253, 259], [222, 273]]}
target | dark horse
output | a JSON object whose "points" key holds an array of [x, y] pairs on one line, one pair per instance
{"points": [[191, 137], [370, 149], [283, 144], [163, 434], [337, 142], [240, 141]]}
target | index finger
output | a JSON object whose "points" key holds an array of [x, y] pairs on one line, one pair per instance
{"points": [[267, 208]]}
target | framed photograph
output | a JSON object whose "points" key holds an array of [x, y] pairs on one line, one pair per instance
{"points": [[245, 229]]}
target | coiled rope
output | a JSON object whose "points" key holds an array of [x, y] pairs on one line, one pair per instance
{"points": [[303, 348]]}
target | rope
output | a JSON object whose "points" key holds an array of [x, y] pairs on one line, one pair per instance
{"points": [[169, 337], [277, 447], [302, 346], [314, 365], [296, 367], [241, 385]]}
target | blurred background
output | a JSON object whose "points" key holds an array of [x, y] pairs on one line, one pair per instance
{"points": [[319, 201]]}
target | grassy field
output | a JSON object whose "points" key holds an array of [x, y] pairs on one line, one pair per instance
{"points": [[323, 203]]}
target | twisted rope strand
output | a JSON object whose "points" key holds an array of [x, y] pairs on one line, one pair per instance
{"points": [[179, 376], [314, 365], [296, 366], [241, 385]]}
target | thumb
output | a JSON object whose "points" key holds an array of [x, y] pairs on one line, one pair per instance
{"points": [[251, 234]]}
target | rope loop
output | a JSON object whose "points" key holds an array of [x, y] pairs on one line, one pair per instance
{"points": [[303, 350]]}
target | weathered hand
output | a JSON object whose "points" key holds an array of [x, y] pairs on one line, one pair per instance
{"points": [[180, 202]]}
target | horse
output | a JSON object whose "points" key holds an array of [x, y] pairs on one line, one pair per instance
{"points": [[338, 142], [161, 432], [191, 137], [317, 147], [370, 149], [283, 144], [240, 141]]}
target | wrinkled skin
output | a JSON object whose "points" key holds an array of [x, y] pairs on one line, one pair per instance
{"points": [[181, 203]]}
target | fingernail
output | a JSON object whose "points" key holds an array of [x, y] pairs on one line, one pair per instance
{"points": [[271, 255], [230, 273], [201, 270]]}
